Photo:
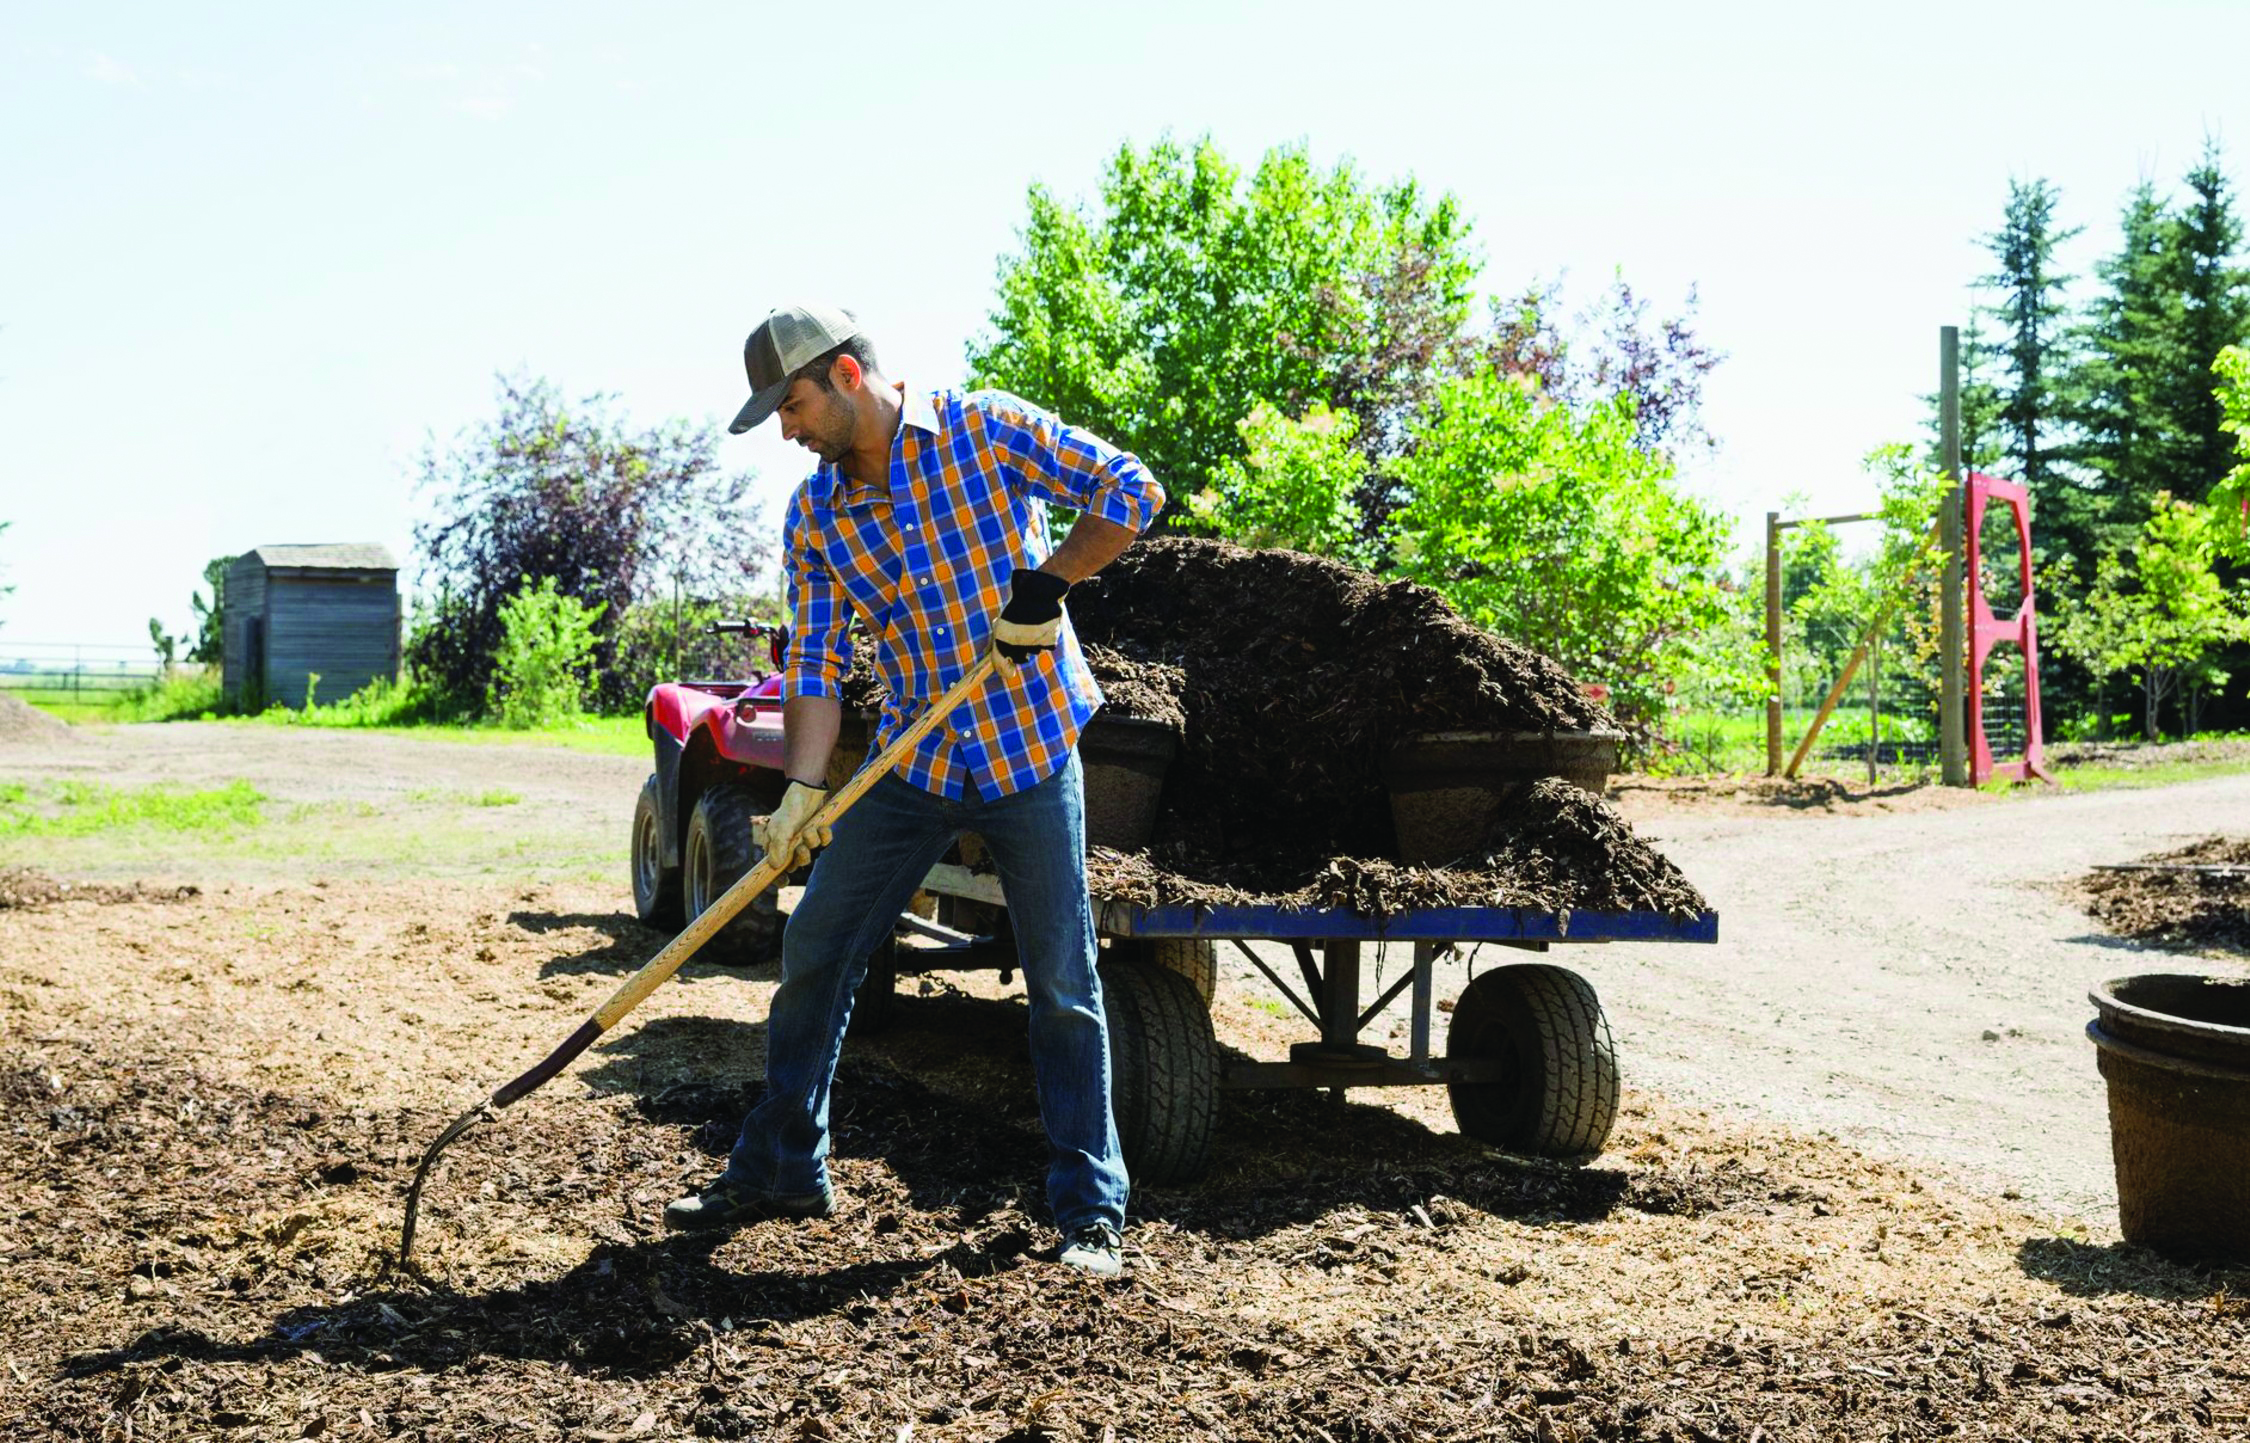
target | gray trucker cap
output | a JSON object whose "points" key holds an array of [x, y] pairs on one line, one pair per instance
{"points": [[790, 338]]}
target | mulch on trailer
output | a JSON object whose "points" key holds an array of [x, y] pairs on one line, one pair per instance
{"points": [[1289, 677], [2192, 896]]}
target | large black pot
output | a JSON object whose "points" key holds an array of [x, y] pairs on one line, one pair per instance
{"points": [[2175, 1050], [1447, 788]]}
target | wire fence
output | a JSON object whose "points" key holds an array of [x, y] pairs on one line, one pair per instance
{"points": [[74, 674]]}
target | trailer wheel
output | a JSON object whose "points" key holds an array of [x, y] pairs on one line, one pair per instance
{"points": [[656, 887], [1195, 958], [1164, 1071], [1558, 1092], [720, 849]]}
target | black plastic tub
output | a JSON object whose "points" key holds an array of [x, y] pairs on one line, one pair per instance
{"points": [[1447, 788], [2175, 1051], [1125, 760]]}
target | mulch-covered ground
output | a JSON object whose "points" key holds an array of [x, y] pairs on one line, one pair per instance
{"points": [[2192, 896], [211, 1106]]}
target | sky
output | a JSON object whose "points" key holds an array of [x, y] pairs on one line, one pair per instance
{"points": [[254, 259]]}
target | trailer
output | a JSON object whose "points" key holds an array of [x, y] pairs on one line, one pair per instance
{"points": [[1528, 1061], [1529, 1065]]}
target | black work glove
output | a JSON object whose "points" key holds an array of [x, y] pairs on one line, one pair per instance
{"points": [[1031, 622]]}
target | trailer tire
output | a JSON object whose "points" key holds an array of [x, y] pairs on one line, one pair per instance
{"points": [[721, 847], [656, 887], [1558, 1097], [1164, 1071], [1195, 958]]}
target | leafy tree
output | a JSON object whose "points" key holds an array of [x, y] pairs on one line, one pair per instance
{"points": [[1163, 316], [540, 672], [570, 494], [1557, 528], [1294, 487], [166, 645], [2230, 499], [211, 618], [2157, 609], [1613, 348]]}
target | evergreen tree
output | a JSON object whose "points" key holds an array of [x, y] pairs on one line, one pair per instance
{"points": [[2211, 299], [2032, 353], [2128, 351]]}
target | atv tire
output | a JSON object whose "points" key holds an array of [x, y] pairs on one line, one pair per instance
{"points": [[1558, 1093], [721, 848], [656, 887]]}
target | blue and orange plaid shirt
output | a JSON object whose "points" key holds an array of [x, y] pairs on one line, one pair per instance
{"points": [[925, 562]]}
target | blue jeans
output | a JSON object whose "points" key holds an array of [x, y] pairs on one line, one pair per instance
{"points": [[883, 847]]}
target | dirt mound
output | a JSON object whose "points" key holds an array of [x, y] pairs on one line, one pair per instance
{"points": [[22, 722], [2195, 896], [22, 888], [1298, 674], [1563, 850], [1289, 678]]}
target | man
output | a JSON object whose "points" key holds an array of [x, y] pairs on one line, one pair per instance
{"points": [[926, 518]]}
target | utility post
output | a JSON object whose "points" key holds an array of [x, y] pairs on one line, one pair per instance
{"points": [[1953, 749], [1773, 643]]}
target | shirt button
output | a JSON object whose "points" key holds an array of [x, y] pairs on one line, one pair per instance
{"points": [[926, 581]]}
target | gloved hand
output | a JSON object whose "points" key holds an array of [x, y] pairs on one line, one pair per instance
{"points": [[788, 831], [1032, 620]]}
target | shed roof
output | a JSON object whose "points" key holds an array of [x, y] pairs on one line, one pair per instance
{"points": [[334, 556]]}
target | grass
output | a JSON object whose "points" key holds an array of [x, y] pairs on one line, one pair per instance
{"points": [[84, 809], [2094, 778]]}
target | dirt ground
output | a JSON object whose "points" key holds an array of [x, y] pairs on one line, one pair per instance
{"points": [[1803, 1227]]}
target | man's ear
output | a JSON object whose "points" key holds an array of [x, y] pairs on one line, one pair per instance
{"points": [[848, 372]]}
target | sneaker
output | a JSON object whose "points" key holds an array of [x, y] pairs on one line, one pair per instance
{"points": [[1094, 1248], [730, 1204]]}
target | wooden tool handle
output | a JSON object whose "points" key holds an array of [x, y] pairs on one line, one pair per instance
{"points": [[768, 872]]}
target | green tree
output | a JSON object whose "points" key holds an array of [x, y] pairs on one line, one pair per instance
{"points": [[2128, 348], [2230, 499], [542, 668], [211, 617], [2032, 354], [2157, 609], [2211, 311], [612, 514], [1295, 486], [1556, 528], [1191, 293]]}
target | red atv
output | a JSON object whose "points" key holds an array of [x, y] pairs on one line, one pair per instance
{"points": [[718, 768]]}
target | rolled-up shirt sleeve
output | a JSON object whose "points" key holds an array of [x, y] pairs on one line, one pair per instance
{"points": [[820, 648], [1045, 457]]}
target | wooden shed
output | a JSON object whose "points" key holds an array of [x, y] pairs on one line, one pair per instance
{"points": [[294, 611]]}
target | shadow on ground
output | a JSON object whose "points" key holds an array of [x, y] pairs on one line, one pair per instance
{"points": [[2096, 1270]]}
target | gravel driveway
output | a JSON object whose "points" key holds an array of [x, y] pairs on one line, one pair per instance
{"points": [[1914, 983]]}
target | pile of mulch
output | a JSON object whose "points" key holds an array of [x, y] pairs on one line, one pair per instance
{"points": [[230, 1280], [25, 888], [1298, 676], [1562, 850], [1289, 678], [22, 722], [2189, 907]]}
